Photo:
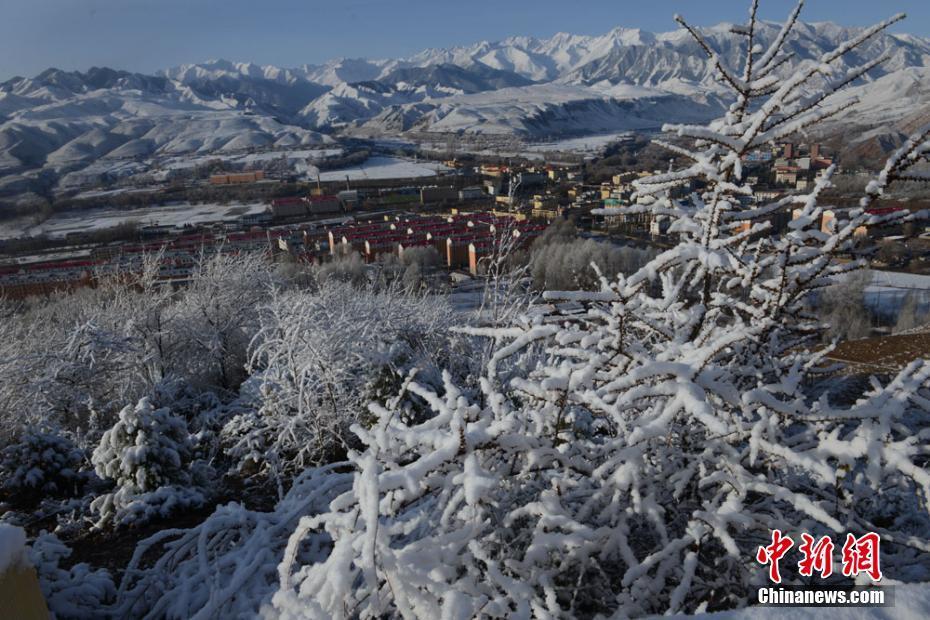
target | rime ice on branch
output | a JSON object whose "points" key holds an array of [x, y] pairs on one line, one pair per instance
{"points": [[631, 459]]}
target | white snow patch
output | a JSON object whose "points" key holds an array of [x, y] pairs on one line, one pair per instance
{"points": [[383, 168], [178, 215], [12, 547]]}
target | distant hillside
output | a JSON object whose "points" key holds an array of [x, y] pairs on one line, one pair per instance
{"points": [[59, 123]]}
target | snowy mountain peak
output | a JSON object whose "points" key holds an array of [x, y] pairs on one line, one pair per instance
{"points": [[570, 57], [625, 78], [631, 36]]}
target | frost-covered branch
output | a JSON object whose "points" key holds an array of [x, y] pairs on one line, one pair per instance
{"points": [[659, 428]]}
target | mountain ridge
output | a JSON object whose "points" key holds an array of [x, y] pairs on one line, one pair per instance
{"points": [[58, 122], [361, 90]]}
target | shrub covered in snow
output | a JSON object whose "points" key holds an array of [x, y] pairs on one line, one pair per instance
{"points": [[911, 317], [79, 592], [226, 567], [59, 363], [842, 307], [40, 465], [147, 454], [566, 265], [218, 316], [661, 434], [319, 358], [204, 412], [346, 266], [72, 360]]}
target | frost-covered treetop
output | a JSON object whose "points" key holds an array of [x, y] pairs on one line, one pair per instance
{"points": [[145, 448]]}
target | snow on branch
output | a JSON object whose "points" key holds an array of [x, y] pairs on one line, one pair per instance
{"points": [[620, 459], [725, 74], [897, 168], [768, 62]]}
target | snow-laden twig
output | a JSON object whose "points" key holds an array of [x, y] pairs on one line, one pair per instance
{"points": [[654, 437], [226, 566]]}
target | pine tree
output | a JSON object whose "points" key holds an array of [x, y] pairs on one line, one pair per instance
{"points": [[147, 454]]}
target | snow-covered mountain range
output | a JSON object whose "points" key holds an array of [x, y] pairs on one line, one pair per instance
{"points": [[420, 91], [565, 85]]}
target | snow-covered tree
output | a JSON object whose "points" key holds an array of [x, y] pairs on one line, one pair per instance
{"points": [[41, 464], [219, 316], [842, 306], [71, 360], [415, 268], [60, 364], [139, 304], [227, 566], [319, 358], [664, 432], [504, 294], [567, 265], [147, 454], [418, 264], [346, 266], [911, 317]]}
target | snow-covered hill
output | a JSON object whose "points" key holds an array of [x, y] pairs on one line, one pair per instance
{"points": [[886, 113], [564, 85], [63, 122], [420, 91], [639, 57], [551, 109], [360, 101]]}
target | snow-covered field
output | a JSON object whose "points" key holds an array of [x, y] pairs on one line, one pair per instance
{"points": [[383, 168], [249, 159], [465, 298], [889, 290], [584, 145], [104, 193], [588, 144], [101, 219]]}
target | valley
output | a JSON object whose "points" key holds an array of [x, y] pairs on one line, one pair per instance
{"points": [[66, 132]]}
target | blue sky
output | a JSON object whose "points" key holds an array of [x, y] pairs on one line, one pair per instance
{"points": [[144, 35]]}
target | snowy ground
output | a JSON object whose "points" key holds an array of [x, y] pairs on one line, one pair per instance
{"points": [[100, 219], [893, 279], [889, 301], [92, 174], [383, 168], [889, 290], [466, 296], [248, 159], [104, 193], [586, 145], [592, 145]]}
